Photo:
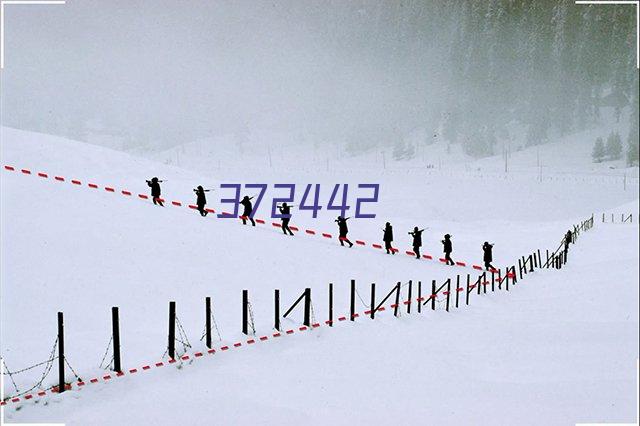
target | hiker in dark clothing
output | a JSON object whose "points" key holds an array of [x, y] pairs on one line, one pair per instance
{"points": [[248, 210], [154, 184], [488, 255], [343, 230], [387, 237], [448, 248], [285, 210], [201, 200], [417, 240]]}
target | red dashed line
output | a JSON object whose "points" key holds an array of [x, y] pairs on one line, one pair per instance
{"points": [[185, 357], [133, 371], [261, 221], [237, 345], [159, 364], [289, 331], [224, 348], [263, 338], [250, 342]]}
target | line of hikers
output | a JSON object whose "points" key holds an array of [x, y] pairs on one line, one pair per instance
{"points": [[343, 229]]}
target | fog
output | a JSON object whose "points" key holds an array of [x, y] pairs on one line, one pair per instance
{"points": [[154, 74]]}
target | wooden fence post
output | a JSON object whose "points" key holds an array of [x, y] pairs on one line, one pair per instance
{"points": [[171, 348], [373, 300], [61, 381], [433, 295], [307, 307], [419, 296], [352, 300], [276, 308], [245, 312], [115, 326], [409, 298], [331, 306], [396, 310]]}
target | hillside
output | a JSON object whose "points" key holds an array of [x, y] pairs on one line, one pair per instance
{"points": [[82, 250]]}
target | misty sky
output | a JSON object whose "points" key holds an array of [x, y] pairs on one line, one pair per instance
{"points": [[160, 73], [187, 69]]}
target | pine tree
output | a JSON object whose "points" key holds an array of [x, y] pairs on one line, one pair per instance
{"points": [[598, 151], [614, 146]]}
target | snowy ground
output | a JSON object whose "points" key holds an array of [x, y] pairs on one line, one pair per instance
{"points": [[562, 344]]}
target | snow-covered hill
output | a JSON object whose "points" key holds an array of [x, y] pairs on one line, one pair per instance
{"points": [[80, 250]]}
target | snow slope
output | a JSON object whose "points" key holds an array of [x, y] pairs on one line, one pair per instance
{"points": [[89, 250]]}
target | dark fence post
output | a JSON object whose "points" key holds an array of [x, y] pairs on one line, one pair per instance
{"points": [[207, 321], [520, 267], [245, 311], [307, 307], [467, 291], [484, 280], [171, 348], [409, 298], [419, 296], [493, 280], [396, 310], [61, 382], [373, 300], [331, 305], [535, 259], [276, 307], [433, 295], [500, 279], [115, 326], [448, 292], [530, 263], [352, 301], [457, 289]]}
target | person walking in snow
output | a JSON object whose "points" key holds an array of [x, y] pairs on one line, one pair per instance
{"points": [[285, 211], [417, 240], [201, 200], [248, 210], [387, 237], [343, 230], [154, 184], [487, 255], [448, 248]]}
